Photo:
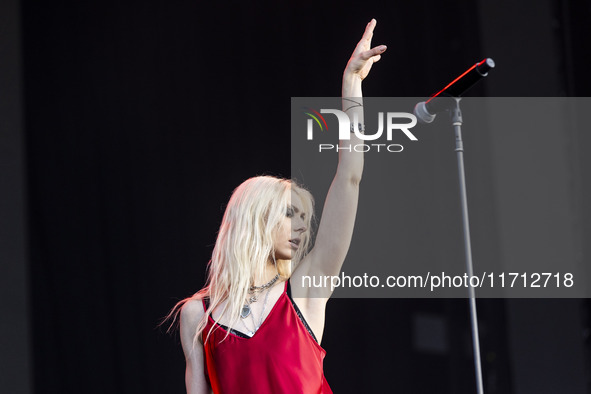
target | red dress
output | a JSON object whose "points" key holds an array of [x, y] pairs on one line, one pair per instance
{"points": [[281, 357]]}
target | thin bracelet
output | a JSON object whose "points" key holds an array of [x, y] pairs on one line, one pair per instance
{"points": [[357, 104]]}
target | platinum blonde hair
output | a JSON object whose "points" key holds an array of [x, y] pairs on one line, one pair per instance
{"points": [[244, 244]]}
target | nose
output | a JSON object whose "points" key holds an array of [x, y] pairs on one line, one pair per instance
{"points": [[299, 226]]}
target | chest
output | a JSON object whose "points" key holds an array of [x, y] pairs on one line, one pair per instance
{"points": [[273, 311]]}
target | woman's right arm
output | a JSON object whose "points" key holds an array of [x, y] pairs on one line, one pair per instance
{"points": [[195, 380]]}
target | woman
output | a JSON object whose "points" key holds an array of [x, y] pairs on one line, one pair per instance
{"points": [[244, 333]]}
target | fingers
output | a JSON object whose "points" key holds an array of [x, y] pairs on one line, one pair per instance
{"points": [[364, 55], [373, 52], [378, 50], [368, 33]]}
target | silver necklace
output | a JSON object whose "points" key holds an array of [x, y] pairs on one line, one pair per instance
{"points": [[256, 327], [255, 291]]}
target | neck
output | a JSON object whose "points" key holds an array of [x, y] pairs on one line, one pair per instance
{"points": [[269, 274]]}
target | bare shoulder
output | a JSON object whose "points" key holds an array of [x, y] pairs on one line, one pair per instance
{"points": [[191, 314]]}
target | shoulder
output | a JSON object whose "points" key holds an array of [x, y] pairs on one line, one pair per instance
{"points": [[191, 314]]}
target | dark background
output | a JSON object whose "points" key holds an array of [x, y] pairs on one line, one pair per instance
{"points": [[126, 125]]}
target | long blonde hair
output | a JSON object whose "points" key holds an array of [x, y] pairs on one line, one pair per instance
{"points": [[245, 243]]}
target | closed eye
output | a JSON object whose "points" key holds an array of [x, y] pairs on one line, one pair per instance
{"points": [[289, 212]]}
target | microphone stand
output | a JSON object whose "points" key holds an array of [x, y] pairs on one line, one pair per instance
{"points": [[456, 120]]}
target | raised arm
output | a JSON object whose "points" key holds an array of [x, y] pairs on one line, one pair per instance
{"points": [[338, 217]]}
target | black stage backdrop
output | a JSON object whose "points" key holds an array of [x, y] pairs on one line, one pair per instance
{"points": [[141, 118]]}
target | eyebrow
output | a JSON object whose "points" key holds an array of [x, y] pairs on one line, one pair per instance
{"points": [[295, 209]]}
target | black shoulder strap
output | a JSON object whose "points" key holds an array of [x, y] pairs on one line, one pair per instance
{"points": [[298, 312]]}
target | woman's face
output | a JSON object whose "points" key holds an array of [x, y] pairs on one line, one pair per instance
{"points": [[292, 229]]}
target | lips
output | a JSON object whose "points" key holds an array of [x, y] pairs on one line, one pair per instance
{"points": [[295, 243]]}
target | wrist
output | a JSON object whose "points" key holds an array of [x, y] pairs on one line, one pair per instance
{"points": [[351, 84], [351, 77]]}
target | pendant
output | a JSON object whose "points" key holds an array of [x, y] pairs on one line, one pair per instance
{"points": [[245, 312]]}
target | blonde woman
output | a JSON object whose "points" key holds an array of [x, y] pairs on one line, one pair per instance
{"points": [[244, 332]]}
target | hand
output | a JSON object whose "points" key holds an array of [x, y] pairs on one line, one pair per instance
{"points": [[363, 57]]}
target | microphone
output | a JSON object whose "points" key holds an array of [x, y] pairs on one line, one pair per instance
{"points": [[425, 111]]}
